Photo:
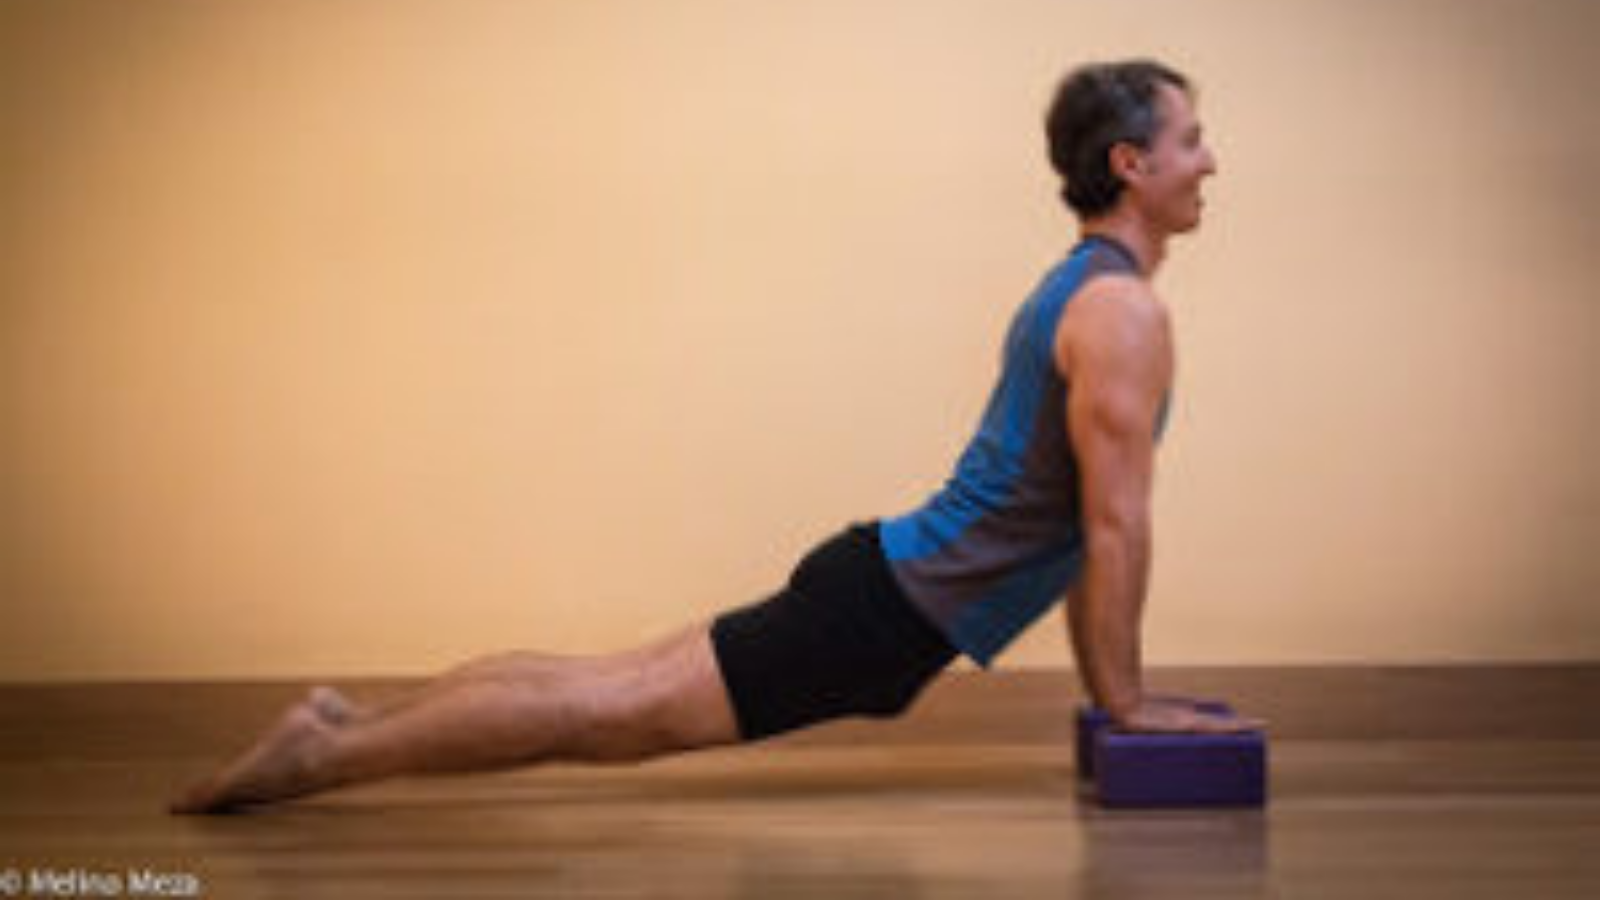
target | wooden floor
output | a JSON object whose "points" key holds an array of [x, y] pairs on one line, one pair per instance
{"points": [[1413, 783]]}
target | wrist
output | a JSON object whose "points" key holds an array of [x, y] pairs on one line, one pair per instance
{"points": [[1121, 706]]}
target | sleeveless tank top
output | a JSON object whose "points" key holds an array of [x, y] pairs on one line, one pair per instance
{"points": [[1002, 541]]}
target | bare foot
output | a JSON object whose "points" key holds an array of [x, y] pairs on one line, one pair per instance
{"points": [[335, 708], [283, 764]]}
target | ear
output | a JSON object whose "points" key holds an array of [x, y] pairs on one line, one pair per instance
{"points": [[1127, 162]]}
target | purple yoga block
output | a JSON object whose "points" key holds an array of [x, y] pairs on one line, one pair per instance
{"points": [[1131, 769], [1090, 720]]}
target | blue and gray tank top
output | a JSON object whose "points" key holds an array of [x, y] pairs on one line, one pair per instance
{"points": [[1003, 540]]}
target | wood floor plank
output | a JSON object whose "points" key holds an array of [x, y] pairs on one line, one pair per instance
{"points": [[923, 812]]}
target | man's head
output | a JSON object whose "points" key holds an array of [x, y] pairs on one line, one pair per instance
{"points": [[1125, 134]]}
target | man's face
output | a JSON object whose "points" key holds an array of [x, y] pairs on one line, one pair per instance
{"points": [[1166, 187]]}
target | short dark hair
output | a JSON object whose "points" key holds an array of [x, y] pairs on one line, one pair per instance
{"points": [[1095, 108]]}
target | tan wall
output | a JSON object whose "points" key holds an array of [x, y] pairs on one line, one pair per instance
{"points": [[356, 337]]}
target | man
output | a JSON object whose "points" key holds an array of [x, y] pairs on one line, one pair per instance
{"points": [[1052, 496]]}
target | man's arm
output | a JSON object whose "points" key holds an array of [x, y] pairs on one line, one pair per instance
{"points": [[1115, 353]]}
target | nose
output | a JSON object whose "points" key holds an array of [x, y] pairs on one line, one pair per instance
{"points": [[1208, 162]]}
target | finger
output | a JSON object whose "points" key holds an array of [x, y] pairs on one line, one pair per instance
{"points": [[1247, 721], [1212, 723], [1244, 723], [1162, 724]]}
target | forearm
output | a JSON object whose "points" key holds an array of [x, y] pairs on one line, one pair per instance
{"points": [[1106, 614]]}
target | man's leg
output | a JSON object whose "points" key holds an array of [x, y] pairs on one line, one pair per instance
{"points": [[493, 713]]}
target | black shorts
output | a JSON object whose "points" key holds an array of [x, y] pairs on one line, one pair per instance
{"points": [[841, 639]]}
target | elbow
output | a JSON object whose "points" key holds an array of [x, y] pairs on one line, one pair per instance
{"points": [[1116, 528]]}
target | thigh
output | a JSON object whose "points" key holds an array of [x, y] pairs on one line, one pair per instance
{"points": [[673, 690]]}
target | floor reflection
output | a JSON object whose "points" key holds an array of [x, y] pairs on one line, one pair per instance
{"points": [[1140, 854]]}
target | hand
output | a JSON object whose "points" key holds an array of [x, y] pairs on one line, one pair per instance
{"points": [[1199, 704], [1177, 715], [1176, 700]]}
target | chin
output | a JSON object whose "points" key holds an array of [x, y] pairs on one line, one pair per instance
{"points": [[1185, 226], [1182, 218], [1189, 219]]}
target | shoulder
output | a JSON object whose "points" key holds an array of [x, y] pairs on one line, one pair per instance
{"points": [[1112, 313]]}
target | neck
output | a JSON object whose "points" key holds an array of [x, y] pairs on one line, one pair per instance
{"points": [[1148, 245]]}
